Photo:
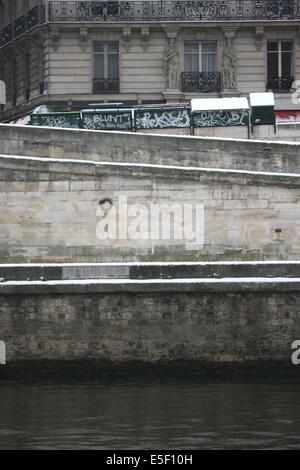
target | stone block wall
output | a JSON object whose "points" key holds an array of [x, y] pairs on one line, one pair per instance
{"points": [[50, 212], [124, 147], [207, 325]]}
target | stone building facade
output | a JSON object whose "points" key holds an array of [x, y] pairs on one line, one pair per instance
{"points": [[73, 53]]}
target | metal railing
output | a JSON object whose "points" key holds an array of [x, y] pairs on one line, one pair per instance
{"points": [[280, 84], [148, 117], [106, 85], [152, 11], [23, 24], [211, 10], [201, 82], [7, 34]]}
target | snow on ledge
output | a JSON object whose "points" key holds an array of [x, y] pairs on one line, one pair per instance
{"points": [[219, 104], [143, 282], [262, 99], [156, 263]]}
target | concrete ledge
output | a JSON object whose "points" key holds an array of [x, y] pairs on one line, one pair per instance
{"points": [[150, 148], [144, 271], [96, 168], [150, 286], [214, 270]]}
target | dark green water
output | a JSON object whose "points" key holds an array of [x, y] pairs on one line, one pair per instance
{"points": [[150, 416]]}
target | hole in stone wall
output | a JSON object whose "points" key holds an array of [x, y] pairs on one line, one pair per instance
{"points": [[106, 202]]}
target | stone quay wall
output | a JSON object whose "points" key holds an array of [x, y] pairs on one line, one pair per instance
{"points": [[206, 322], [49, 211]]}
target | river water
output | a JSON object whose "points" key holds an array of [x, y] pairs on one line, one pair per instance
{"points": [[150, 415]]}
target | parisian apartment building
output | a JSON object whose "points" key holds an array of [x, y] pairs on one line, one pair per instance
{"points": [[72, 53]]}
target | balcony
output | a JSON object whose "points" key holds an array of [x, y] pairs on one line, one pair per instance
{"points": [[106, 85], [280, 84], [151, 11], [7, 34], [211, 10], [201, 82], [22, 25]]}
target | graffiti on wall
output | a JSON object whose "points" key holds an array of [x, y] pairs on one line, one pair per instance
{"points": [[142, 119], [69, 120], [220, 118], [162, 119], [107, 120], [288, 116]]}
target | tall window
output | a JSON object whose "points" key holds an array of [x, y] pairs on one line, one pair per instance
{"points": [[27, 75], [14, 81], [280, 65], [200, 68], [106, 67], [200, 57], [2, 20]]}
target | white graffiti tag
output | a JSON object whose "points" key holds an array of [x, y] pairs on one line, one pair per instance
{"points": [[220, 118], [107, 121], [59, 121], [162, 119]]}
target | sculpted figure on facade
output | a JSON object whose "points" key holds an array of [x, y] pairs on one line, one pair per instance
{"points": [[229, 65], [172, 65]]}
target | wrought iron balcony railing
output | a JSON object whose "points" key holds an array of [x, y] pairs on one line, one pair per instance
{"points": [[106, 85], [7, 34], [171, 10], [23, 24], [201, 82], [151, 11], [280, 84]]}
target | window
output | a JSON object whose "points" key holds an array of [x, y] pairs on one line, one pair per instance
{"points": [[200, 57], [2, 88], [106, 67], [200, 67], [14, 81], [280, 65], [27, 75], [1, 14]]}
